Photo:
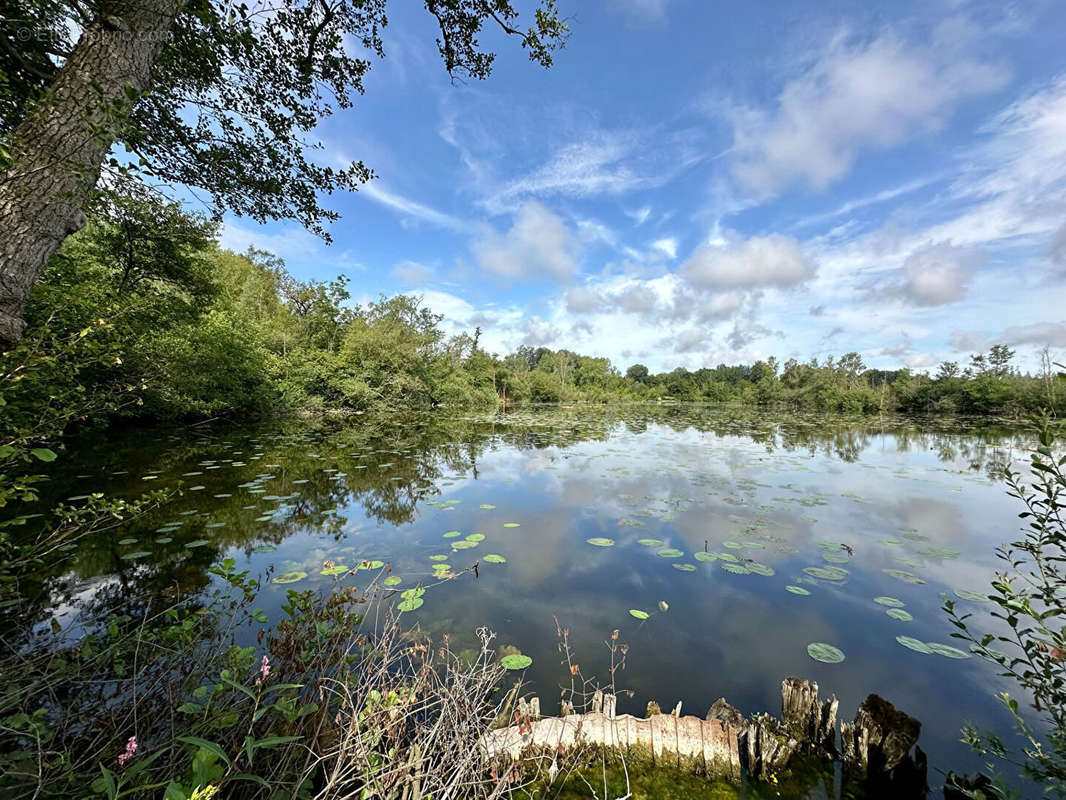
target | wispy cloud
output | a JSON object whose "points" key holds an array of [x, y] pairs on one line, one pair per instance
{"points": [[411, 208]]}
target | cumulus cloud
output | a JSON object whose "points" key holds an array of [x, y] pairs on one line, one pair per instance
{"points": [[582, 300], [1052, 334], [874, 93], [936, 274], [539, 245], [539, 332], [758, 262]]}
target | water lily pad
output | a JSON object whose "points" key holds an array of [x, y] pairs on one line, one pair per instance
{"points": [[375, 564], [511, 524], [291, 577], [891, 602], [264, 548], [127, 541], [636, 612], [756, 568], [336, 569], [669, 552], [410, 604], [685, 567], [453, 534], [196, 543], [163, 540], [393, 580], [410, 594], [899, 613], [487, 506], [827, 573], [650, 542], [135, 555], [826, 653], [916, 645], [835, 558], [797, 590], [492, 558], [736, 569], [476, 537], [969, 594], [903, 575], [515, 661], [705, 557], [946, 650], [732, 545], [438, 557], [601, 541], [463, 545]]}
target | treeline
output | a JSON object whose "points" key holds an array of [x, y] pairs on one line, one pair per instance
{"points": [[143, 314]]}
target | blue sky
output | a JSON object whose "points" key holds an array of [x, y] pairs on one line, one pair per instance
{"points": [[694, 183]]}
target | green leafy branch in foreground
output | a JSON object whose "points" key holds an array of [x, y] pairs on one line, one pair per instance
{"points": [[1030, 645]]}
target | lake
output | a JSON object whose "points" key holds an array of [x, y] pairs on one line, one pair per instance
{"points": [[763, 533]]}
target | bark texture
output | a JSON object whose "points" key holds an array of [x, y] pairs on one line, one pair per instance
{"points": [[58, 150]]}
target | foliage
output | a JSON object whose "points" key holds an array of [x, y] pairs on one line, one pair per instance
{"points": [[163, 703], [1028, 644], [237, 88]]}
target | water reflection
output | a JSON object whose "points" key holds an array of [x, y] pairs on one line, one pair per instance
{"points": [[784, 492]]}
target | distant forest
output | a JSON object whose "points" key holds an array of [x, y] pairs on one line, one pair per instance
{"points": [[143, 314]]}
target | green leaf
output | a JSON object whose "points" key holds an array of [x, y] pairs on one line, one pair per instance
{"points": [[210, 747], [43, 454], [515, 661]]}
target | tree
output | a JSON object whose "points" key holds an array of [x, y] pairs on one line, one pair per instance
{"points": [[638, 373], [999, 358], [208, 94], [948, 370]]}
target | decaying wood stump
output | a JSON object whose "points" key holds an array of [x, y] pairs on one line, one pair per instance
{"points": [[812, 724], [876, 747]]}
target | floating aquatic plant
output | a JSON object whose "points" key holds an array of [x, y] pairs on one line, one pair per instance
{"points": [[826, 653], [291, 577], [515, 661], [600, 541], [891, 602], [669, 552], [797, 590], [636, 612], [492, 558]]}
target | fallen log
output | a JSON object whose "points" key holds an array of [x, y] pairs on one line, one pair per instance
{"points": [[726, 745]]}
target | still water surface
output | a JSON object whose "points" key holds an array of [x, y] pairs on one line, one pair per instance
{"points": [[754, 503]]}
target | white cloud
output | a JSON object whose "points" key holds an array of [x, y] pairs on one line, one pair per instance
{"points": [[667, 246], [1052, 334], [876, 93], [539, 245], [582, 300], [411, 208], [761, 261], [937, 274]]}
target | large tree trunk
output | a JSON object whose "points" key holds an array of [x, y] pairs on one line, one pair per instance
{"points": [[58, 150]]}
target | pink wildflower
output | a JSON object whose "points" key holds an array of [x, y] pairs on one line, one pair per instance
{"points": [[264, 671], [131, 749]]}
